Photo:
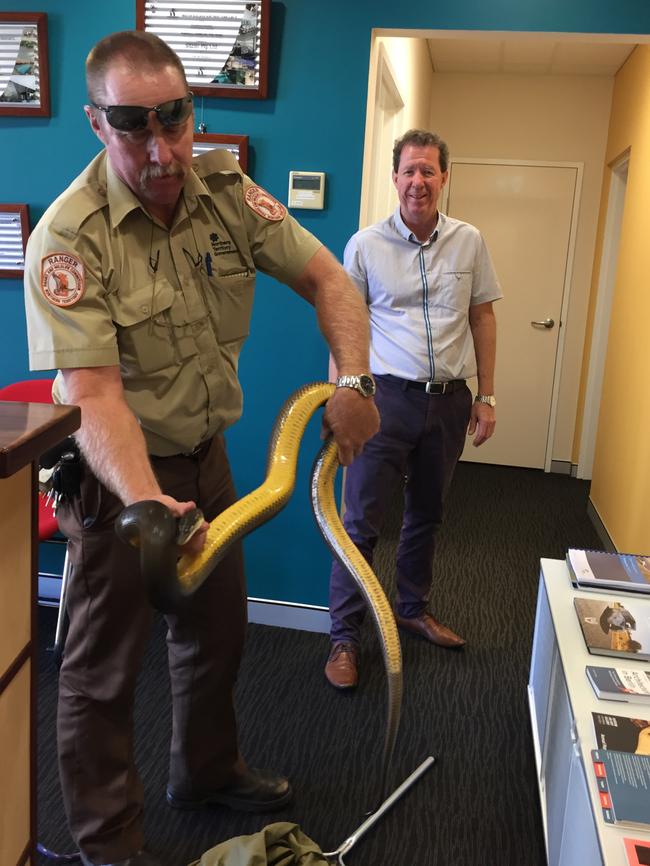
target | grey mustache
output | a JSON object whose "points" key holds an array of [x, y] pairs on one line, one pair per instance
{"points": [[150, 172]]}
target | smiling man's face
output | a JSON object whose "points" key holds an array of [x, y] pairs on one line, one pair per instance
{"points": [[419, 181]]}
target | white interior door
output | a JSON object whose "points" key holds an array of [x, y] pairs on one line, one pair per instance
{"points": [[526, 213]]}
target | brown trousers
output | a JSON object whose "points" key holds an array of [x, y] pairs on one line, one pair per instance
{"points": [[110, 622]]}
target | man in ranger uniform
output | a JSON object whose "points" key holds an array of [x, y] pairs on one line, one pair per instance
{"points": [[159, 256]]}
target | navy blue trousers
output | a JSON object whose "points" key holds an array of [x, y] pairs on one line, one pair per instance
{"points": [[422, 437]]}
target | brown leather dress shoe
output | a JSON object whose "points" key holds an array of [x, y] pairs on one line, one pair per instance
{"points": [[341, 668], [430, 629]]}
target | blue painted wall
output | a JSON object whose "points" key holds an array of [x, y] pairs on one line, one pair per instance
{"points": [[313, 120]]}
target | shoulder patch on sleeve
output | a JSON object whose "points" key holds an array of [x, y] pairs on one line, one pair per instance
{"points": [[263, 204], [63, 279]]}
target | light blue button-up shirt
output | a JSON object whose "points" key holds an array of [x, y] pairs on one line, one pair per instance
{"points": [[419, 295]]}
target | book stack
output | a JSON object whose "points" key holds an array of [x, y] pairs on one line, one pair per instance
{"points": [[623, 781], [622, 734], [619, 626], [631, 685], [637, 852], [615, 627], [595, 569]]}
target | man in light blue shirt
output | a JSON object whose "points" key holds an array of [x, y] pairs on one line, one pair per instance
{"points": [[429, 284]]}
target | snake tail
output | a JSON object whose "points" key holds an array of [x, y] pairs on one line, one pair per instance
{"points": [[344, 549]]}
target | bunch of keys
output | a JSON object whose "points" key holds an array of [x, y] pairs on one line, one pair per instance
{"points": [[62, 480]]}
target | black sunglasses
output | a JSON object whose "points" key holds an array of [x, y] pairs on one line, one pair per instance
{"points": [[128, 118]]}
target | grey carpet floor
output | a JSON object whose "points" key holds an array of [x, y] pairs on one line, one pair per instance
{"points": [[479, 804]]}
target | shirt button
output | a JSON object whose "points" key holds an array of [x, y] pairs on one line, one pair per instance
{"points": [[145, 309]]}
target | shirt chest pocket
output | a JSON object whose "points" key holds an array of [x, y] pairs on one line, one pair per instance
{"points": [[454, 290], [152, 332], [233, 299]]}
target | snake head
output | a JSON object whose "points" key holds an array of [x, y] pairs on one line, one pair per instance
{"points": [[152, 528]]}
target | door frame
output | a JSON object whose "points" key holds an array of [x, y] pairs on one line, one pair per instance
{"points": [[568, 274], [602, 314], [384, 80]]}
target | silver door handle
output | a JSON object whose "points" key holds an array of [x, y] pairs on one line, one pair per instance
{"points": [[547, 323]]}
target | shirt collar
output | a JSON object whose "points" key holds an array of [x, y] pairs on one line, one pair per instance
{"points": [[408, 235], [122, 200]]}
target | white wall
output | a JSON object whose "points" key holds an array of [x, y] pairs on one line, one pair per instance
{"points": [[555, 118]]}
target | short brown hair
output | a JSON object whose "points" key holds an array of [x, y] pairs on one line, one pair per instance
{"points": [[137, 47], [421, 138]]}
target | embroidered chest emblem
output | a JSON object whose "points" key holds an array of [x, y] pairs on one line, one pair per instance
{"points": [[263, 204], [63, 279], [221, 246]]}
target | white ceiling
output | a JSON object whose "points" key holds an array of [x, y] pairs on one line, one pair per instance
{"points": [[529, 55]]}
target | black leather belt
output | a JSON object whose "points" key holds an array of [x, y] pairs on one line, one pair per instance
{"points": [[200, 451], [430, 387]]}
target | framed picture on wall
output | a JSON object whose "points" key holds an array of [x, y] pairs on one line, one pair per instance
{"points": [[14, 231], [223, 46], [24, 81], [236, 144]]}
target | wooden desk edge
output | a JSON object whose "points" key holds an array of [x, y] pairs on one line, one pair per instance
{"points": [[54, 424]]}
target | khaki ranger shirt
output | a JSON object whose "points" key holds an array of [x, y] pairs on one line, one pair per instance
{"points": [[106, 284]]}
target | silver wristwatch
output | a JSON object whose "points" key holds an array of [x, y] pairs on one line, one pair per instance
{"points": [[364, 384], [486, 398]]}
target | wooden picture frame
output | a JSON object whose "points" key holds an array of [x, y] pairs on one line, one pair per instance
{"points": [[224, 54], [14, 231], [236, 144], [24, 74]]}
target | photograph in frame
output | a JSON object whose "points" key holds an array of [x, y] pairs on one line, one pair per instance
{"points": [[24, 82], [14, 232], [224, 50], [236, 144]]}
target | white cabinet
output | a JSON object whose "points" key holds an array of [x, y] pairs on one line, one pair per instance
{"points": [[579, 841], [561, 702]]}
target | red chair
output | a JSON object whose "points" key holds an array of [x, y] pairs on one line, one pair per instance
{"points": [[40, 391]]}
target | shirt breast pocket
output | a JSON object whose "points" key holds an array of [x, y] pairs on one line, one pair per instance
{"points": [[145, 332], [234, 301], [455, 290]]}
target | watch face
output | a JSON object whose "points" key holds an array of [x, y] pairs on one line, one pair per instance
{"points": [[367, 384]]}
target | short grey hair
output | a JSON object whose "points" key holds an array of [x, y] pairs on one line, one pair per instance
{"points": [[137, 47], [421, 138]]}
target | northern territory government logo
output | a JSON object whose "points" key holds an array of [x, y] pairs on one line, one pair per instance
{"points": [[63, 279]]}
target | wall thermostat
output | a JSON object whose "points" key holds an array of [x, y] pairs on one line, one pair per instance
{"points": [[307, 189]]}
